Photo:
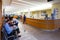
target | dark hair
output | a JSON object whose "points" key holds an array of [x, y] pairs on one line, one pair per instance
{"points": [[6, 17], [7, 21], [10, 18]]}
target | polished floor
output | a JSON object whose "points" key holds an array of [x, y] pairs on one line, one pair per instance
{"points": [[30, 33]]}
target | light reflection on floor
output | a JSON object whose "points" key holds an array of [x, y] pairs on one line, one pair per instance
{"points": [[24, 33], [31, 33]]}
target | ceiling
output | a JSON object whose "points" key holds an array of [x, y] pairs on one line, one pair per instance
{"points": [[15, 5]]}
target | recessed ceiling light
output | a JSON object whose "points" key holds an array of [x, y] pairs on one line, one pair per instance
{"points": [[19, 0]]}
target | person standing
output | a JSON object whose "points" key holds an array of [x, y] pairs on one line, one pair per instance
{"points": [[46, 16], [24, 19]]}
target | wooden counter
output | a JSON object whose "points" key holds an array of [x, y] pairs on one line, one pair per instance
{"points": [[43, 24]]}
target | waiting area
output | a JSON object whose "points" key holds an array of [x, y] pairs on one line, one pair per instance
{"points": [[28, 32]]}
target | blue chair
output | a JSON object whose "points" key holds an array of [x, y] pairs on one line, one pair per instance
{"points": [[6, 35]]}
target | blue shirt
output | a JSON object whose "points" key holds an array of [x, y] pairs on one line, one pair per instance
{"points": [[8, 28]]}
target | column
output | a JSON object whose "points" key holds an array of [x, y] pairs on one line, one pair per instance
{"points": [[0, 16]]}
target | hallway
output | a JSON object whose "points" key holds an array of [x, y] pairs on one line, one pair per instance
{"points": [[30, 33]]}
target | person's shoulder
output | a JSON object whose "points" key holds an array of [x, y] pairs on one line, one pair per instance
{"points": [[6, 24]]}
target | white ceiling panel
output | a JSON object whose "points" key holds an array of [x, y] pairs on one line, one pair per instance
{"points": [[24, 4]]}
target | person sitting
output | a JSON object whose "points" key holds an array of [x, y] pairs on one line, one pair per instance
{"points": [[15, 21], [15, 24], [9, 29]]}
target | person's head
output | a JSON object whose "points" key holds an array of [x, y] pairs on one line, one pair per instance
{"points": [[10, 18], [51, 14], [10, 22], [7, 21], [6, 18], [24, 14]]}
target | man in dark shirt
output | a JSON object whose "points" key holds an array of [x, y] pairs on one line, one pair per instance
{"points": [[24, 19]]}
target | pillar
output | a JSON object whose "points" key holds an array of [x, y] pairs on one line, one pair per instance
{"points": [[0, 17]]}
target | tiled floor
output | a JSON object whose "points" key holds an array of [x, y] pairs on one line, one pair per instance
{"points": [[31, 33]]}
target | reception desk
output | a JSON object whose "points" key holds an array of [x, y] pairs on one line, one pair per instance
{"points": [[43, 24]]}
